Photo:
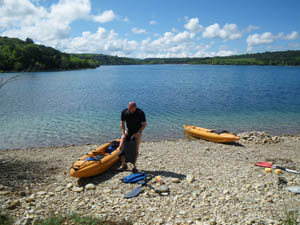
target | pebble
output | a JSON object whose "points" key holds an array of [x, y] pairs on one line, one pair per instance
{"points": [[181, 212], [41, 193], [59, 189], [163, 188], [107, 191], [190, 178], [175, 180], [77, 189], [69, 185], [90, 187], [4, 192]]}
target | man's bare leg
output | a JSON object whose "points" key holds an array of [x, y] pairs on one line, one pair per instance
{"points": [[138, 139]]}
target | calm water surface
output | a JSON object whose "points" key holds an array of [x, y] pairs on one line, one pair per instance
{"points": [[78, 107]]}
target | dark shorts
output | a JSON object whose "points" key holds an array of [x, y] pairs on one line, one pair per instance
{"points": [[129, 134], [129, 150]]}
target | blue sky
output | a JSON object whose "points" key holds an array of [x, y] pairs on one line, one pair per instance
{"points": [[153, 28]]}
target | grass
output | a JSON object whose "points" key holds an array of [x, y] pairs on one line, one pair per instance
{"points": [[79, 220], [290, 218], [76, 219], [5, 218]]}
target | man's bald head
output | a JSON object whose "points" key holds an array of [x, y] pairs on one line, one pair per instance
{"points": [[131, 107]]}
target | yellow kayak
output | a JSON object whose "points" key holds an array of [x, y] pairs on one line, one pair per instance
{"points": [[97, 161], [210, 135]]}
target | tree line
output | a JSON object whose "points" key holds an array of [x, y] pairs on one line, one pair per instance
{"points": [[17, 55], [283, 58]]}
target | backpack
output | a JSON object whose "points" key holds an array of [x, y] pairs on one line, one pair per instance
{"points": [[134, 177]]}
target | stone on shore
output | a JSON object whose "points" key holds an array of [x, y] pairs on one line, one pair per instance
{"points": [[90, 187]]}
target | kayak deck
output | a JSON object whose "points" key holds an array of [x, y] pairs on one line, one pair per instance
{"points": [[210, 135]]}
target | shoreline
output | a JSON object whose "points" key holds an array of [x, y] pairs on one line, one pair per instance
{"points": [[209, 183], [185, 137]]}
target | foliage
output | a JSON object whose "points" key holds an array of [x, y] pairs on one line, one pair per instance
{"points": [[77, 219], [284, 58], [17, 55], [290, 218], [5, 218]]}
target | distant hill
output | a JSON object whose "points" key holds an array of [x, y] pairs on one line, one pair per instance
{"points": [[283, 58], [17, 55]]}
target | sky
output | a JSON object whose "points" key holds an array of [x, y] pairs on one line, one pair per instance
{"points": [[155, 28]]}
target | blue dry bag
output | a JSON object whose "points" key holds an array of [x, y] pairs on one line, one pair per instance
{"points": [[134, 177], [95, 158]]}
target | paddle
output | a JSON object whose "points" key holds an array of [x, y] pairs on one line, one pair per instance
{"points": [[143, 182], [135, 192], [270, 165]]}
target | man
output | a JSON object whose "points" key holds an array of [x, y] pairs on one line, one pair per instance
{"points": [[135, 122]]}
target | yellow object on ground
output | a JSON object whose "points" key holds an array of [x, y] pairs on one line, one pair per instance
{"points": [[278, 171], [210, 135], [268, 170], [83, 168]]}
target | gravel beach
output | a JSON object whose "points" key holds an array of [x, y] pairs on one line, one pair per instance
{"points": [[209, 183]]}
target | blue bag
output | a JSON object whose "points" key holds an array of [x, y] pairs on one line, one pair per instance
{"points": [[113, 146], [134, 177], [95, 158]]}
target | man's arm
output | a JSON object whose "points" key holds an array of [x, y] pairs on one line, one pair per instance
{"points": [[122, 126], [144, 124]]}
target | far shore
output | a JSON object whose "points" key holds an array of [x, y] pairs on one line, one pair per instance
{"points": [[209, 183]]}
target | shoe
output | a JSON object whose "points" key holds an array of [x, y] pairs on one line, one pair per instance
{"points": [[134, 170], [122, 168]]}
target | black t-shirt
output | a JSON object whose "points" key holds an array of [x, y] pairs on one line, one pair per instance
{"points": [[133, 121]]}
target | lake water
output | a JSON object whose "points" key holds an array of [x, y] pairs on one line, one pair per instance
{"points": [[79, 107]]}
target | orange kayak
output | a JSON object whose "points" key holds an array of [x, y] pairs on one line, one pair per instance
{"points": [[95, 162], [210, 135]]}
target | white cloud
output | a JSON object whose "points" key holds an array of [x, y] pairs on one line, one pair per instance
{"points": [[152, 22], [19, 13], [106, 16], [292, 36], [229, 31], [168, 45], [251, 28], [43, 26], [138, 31], [259, 39], [203, 51], [102, 41], [268, 38], [193, 25]]}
